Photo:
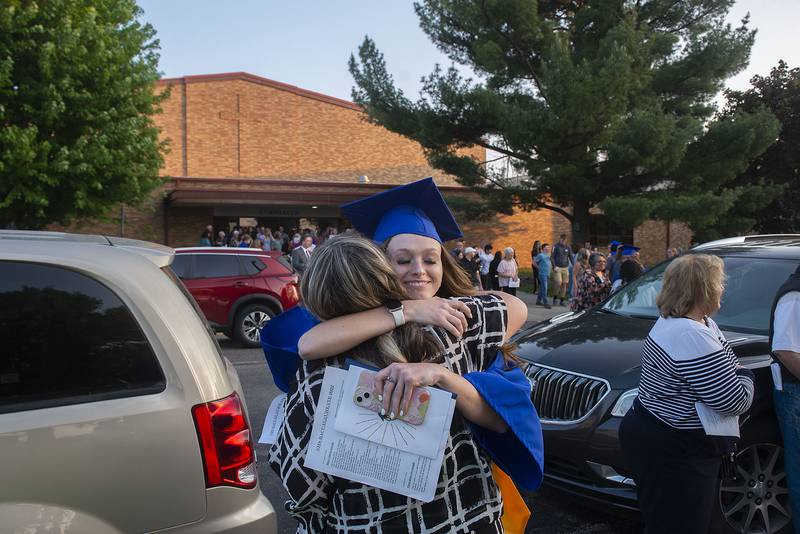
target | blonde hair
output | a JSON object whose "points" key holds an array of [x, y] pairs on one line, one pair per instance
{"points": [[691, 281], [455, 280], [350, 274]]}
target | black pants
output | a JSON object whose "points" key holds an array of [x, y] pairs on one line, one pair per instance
{"points": [[509, 290], [486, 282], [675, 471]]}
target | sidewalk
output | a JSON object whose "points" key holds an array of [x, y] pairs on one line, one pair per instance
{"points": [[538, 313]]}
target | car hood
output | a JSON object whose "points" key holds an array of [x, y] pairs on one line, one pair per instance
{"points": [[607, 345], [594, 343]]}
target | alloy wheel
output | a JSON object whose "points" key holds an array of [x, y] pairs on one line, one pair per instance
{"points": [[252, 324], [757, 500]]}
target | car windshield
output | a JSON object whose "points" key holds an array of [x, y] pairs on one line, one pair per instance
{"points": [[749, 290]]}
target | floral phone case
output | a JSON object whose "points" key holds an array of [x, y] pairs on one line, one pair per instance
{"points": [[365, 397]]}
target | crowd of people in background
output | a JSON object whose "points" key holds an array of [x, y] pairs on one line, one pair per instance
{"points": [[264, 238], [581, 277], [578, 277], [487, 269]]}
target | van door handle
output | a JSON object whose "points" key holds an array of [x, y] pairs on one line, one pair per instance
{"points": [[240, 284]]}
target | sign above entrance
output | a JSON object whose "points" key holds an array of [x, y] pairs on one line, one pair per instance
{"points": [[276, 211]]}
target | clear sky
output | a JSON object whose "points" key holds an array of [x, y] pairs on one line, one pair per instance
{"points": [[308, 42]]}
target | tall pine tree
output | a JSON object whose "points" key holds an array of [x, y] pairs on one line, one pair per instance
{"points": [[596, 103]]}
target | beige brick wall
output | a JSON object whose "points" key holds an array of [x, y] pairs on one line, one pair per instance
{"points": [[283, 134], [517, 231], [169, 121], [186, 225], [652, 238], [145, 221]]}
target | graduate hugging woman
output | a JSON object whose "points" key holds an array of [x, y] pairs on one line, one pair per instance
{"points": [[394, 298]]}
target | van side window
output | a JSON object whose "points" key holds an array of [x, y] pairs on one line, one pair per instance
{"points": [[67, 339]]}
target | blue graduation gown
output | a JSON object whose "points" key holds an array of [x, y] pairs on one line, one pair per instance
{"points": [[279, 338]]}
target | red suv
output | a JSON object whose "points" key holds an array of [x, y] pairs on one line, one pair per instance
{"points": [[238, 289]]}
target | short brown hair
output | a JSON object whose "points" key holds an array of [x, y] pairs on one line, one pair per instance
{"points": [[690, 281]]}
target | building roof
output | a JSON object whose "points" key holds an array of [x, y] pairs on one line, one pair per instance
{"points": [[204, 191], [247, 77]]}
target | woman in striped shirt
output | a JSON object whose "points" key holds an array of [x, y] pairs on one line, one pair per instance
{"points": [[685, 360]]}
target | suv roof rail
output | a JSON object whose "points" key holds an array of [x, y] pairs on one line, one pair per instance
{"points": [[758, 239], [228, 250]]}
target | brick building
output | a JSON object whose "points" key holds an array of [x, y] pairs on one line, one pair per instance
{"points": [[245, 147]]}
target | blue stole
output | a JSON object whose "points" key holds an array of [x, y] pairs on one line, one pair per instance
{"points": [[519, 451]]}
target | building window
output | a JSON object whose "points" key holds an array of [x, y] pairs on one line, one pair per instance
{"points": [[602, 231]]}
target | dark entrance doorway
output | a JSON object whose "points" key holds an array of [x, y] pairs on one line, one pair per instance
{"points": [[291, 218]]}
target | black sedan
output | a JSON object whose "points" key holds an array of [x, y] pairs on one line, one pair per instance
{"points": [[585, 369]]}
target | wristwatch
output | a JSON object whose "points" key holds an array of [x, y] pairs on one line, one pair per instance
{"points": [[395, 307]]}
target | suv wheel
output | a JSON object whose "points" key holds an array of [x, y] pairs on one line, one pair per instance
{"points": [[758, 499], [249, 322]]}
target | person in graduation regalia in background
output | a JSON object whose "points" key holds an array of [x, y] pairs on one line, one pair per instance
{"points": [[411, 222]]}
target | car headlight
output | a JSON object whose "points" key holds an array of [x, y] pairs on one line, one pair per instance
{"points": [[624, 402]]}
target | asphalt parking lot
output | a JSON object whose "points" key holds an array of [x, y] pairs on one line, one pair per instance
{"points": [[552, 512]]}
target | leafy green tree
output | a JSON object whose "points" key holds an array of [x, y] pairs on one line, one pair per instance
{"points": [[76, 101], [596, 103], [774, 176]]}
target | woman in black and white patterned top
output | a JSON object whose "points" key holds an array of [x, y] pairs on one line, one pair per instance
{"points": [[467, 499], [685, 360]]}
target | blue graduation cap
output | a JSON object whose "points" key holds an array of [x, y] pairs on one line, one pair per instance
{"points": [[613, 246], [629, 250], [279, 339], [415, 208]]}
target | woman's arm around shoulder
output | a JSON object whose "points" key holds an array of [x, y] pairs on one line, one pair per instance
{"points": [[341, 334]]}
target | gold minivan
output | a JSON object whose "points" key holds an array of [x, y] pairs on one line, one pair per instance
{"points": [[118, 412]]}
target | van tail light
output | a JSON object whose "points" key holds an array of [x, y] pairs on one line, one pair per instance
{"points": [[228, 455]]}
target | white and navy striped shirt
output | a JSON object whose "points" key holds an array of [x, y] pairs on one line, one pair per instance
{"points": [[683, 362]]}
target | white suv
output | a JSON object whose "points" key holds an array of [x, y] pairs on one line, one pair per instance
{"points": [[118, 412]]}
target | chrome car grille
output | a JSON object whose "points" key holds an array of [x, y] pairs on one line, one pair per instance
{"points": [[562, 396]]}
